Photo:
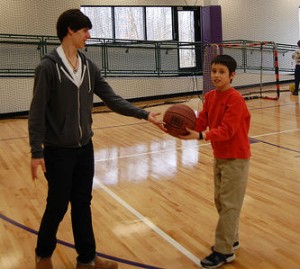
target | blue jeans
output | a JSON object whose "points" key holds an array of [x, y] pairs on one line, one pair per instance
{"points": [[70, 173]]}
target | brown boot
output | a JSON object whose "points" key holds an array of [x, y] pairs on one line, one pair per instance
{"points": [[43, 263], [98, 263]]}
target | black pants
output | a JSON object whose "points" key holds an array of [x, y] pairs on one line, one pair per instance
{"points": [[70, 173], [297, 78]]}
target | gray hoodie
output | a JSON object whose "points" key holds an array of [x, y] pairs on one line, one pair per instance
{"points": [[61, 113]]}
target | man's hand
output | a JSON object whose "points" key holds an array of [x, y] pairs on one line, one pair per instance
{"points": [[34, 167], [159, 123]]}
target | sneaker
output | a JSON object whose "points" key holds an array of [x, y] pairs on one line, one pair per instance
{"points": [[43, 263], [216, 259], [236, 245], [98, 263]]}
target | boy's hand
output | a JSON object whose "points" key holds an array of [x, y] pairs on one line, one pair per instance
{"points": [[191, 135]]}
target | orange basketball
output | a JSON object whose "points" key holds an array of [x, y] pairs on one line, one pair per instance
{"points": [[177, 118]]}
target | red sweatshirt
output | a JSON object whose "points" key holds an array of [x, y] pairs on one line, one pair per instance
{"points": [[228, 120]]}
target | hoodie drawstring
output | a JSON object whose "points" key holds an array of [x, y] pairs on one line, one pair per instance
{"points": [[58, 72], [89, 77]]}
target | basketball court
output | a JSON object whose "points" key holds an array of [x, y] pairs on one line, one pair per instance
{"points": [[153, 194]]}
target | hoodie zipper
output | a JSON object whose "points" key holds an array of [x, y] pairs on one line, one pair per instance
{"points": [[78, 111], [78, 93]]}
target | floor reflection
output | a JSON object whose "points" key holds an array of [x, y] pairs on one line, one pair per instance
{"points": [[127, 228], [156, 161]]}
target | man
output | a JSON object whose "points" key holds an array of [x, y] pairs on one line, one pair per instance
{"points": [[61, 138], [296, 58]]}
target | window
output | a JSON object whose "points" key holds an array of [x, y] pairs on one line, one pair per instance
{"points": [[101, 18], [159, 23], [129, 23], [186, 33], [179, 24]]}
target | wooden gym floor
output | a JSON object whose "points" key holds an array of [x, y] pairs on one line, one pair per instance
{"points": [[153, 194]]}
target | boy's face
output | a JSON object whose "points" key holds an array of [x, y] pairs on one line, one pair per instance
{"points": [[220, 77]]}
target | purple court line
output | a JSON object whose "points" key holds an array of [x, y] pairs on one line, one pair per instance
{"points": [[64, 243], [255, 140]]}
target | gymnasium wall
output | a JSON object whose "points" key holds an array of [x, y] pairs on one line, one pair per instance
{"points": [[32, 17], [272, 20]]}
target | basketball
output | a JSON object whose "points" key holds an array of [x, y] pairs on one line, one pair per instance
{"points": [[292, 88], [177, 118]]}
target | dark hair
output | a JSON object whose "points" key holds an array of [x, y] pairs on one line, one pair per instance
{"points": [[227, 61], [74, 19], [298, 43]]}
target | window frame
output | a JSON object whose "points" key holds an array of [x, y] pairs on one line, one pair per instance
{"points": [[197, 69]]}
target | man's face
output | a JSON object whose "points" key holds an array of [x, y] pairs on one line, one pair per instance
{"points": [[80, 37]]}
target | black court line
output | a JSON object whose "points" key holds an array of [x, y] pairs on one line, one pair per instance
{"points": [[64, 243]]}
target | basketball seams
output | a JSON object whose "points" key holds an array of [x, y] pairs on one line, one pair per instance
{"points": [[182, 116]]}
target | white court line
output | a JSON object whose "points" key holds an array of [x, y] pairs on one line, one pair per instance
{"points": [[151, 225], [275, 133]]}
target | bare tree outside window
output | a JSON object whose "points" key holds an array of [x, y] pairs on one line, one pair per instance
{"points": [[159, 23], [129, 23], [186, 34], [101, 18]]}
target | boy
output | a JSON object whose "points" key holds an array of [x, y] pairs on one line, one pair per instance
{"points": [[60, 133], [227, 118]]}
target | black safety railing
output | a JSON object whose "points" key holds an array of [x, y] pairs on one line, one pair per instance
{"points": [[20, 54]]}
